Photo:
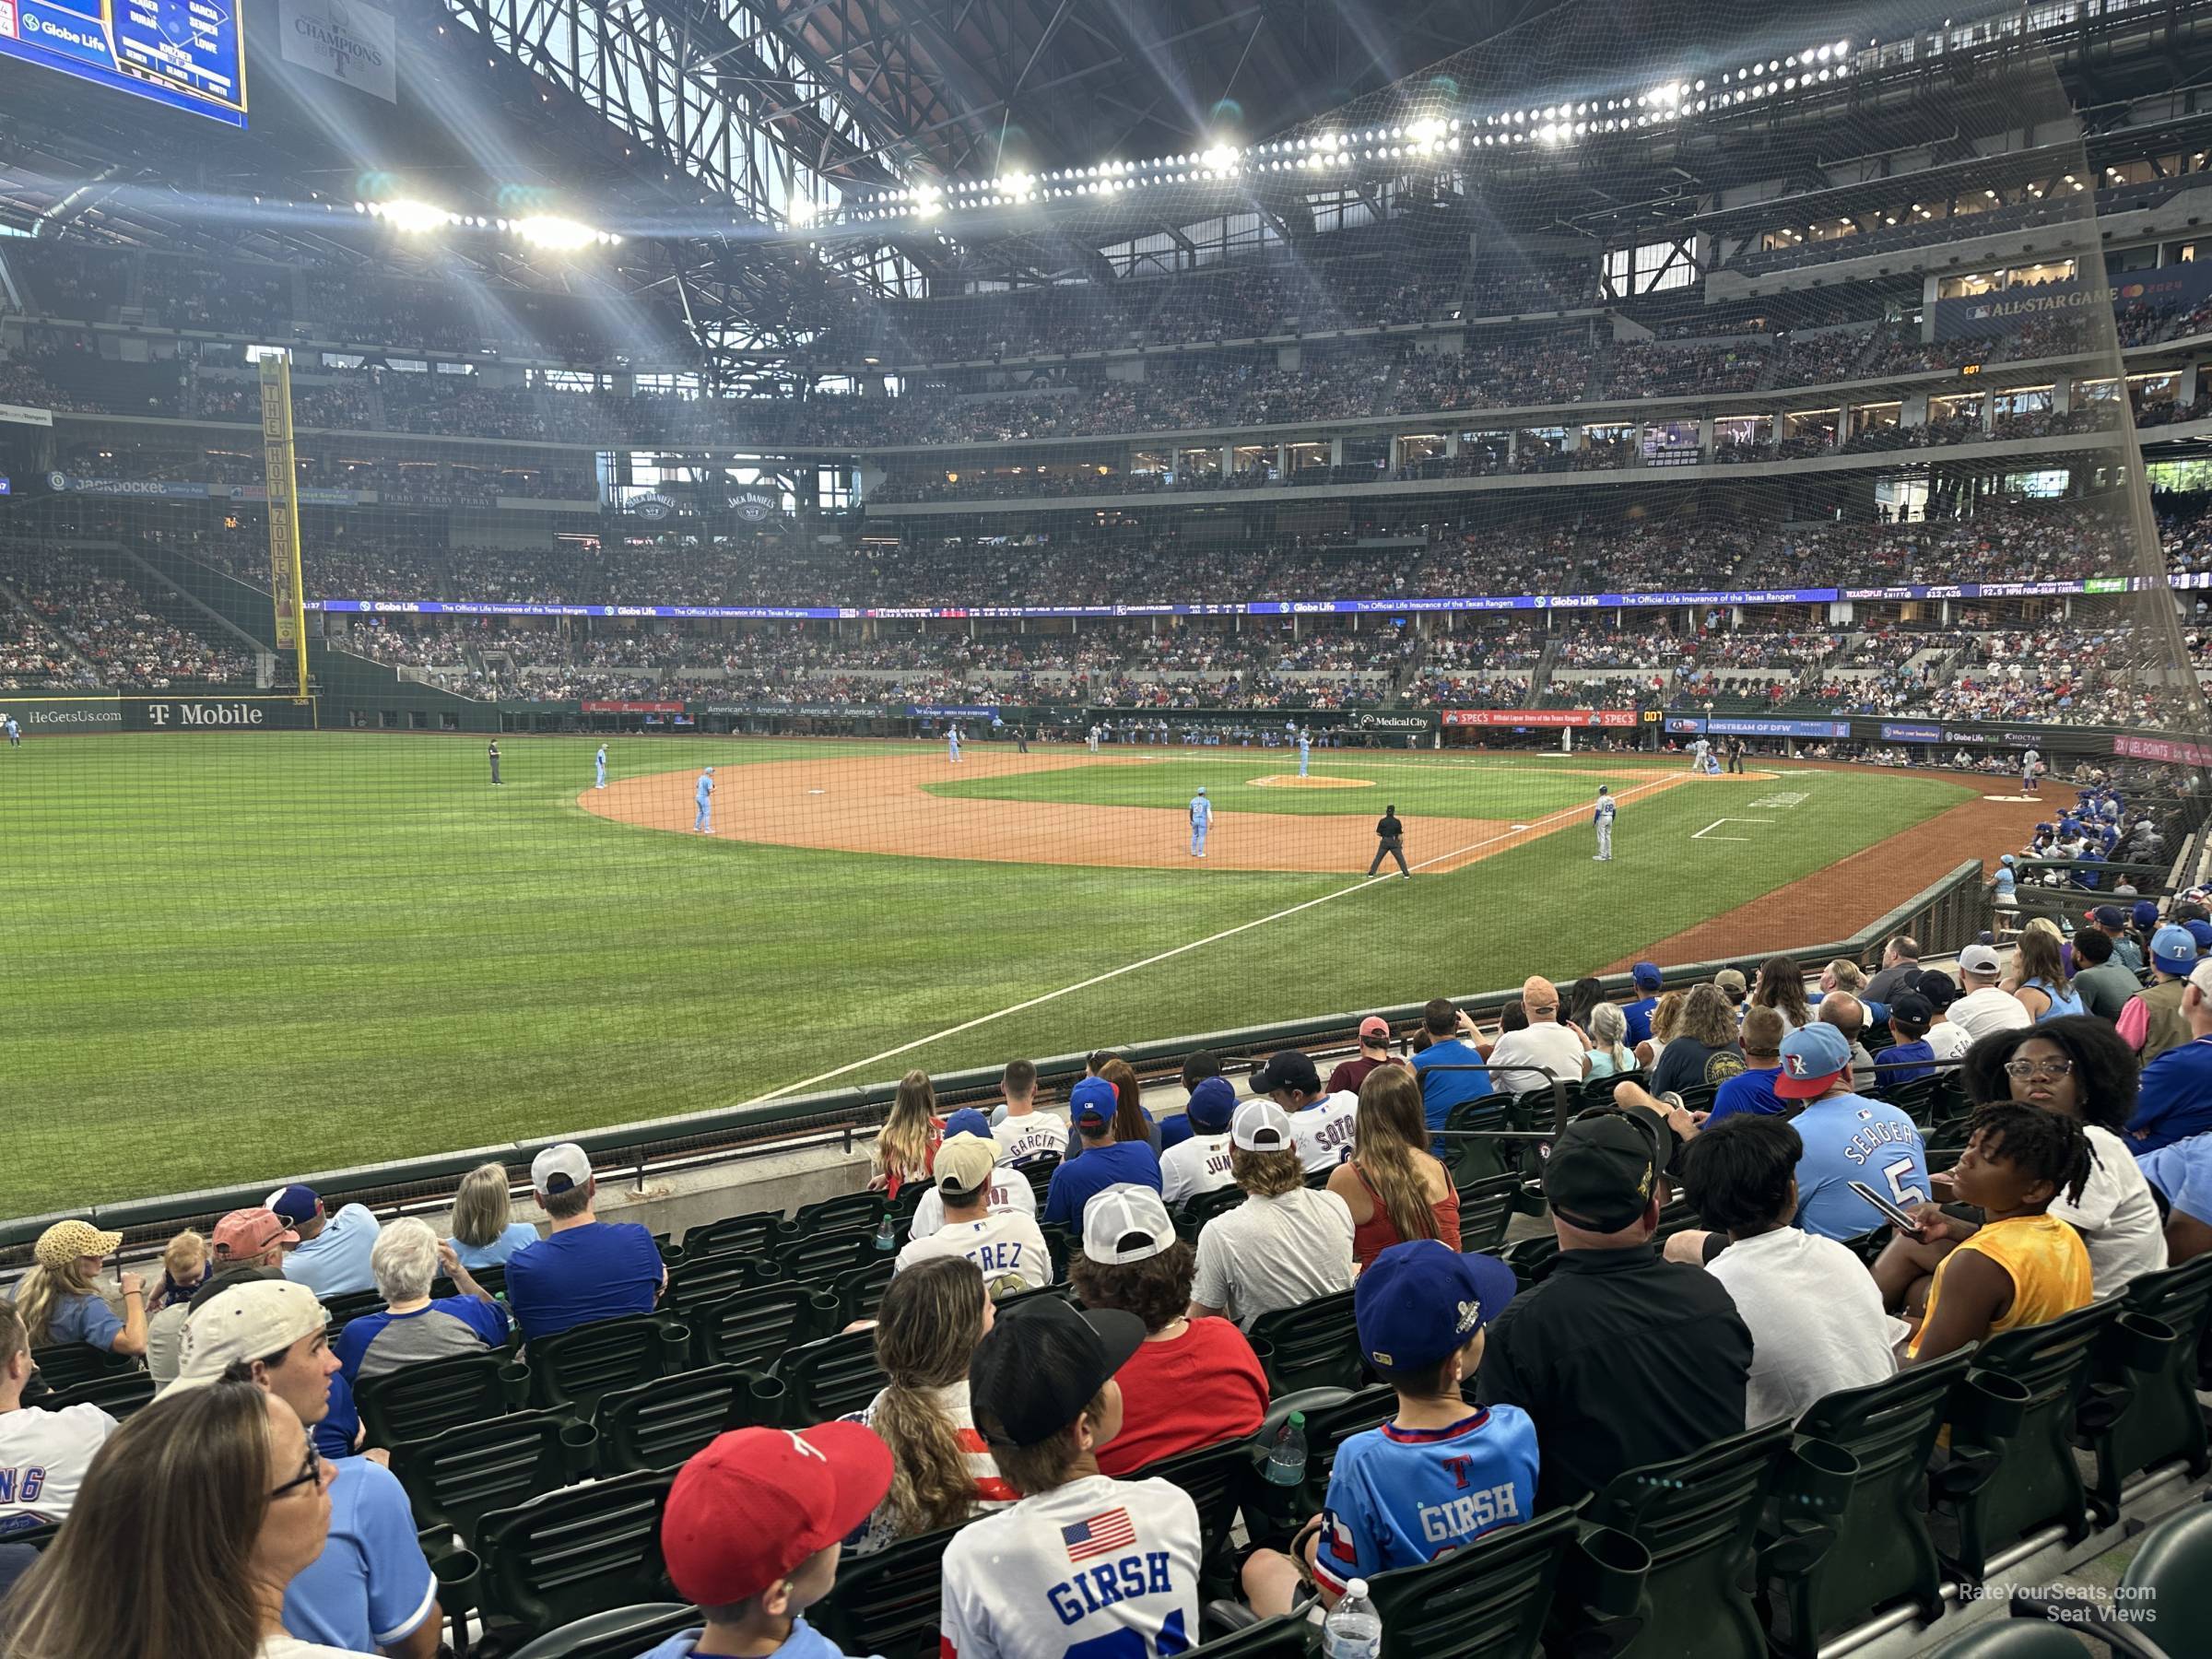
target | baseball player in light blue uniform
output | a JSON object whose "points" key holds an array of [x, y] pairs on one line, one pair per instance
{"points": [[15, 733], [704, 795], [1305, 748], [599, 767], [1202, 820], [952, 745], [1603, 818]]}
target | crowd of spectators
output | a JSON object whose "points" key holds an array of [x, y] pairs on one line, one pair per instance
{"points": [[112, 638]]}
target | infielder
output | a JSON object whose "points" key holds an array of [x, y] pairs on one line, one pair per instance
{"points": [[1202, 820], [2027, 777], [704, 795], [952, 744], [1305, 748], [599, 767], [1603, 819]]}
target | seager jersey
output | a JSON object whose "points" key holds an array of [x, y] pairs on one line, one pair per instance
{"points": [[1400, 1497], [1849, 1138], [1097, 1569]]}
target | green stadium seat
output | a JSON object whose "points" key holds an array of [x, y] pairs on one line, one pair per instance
{"points": [[570, 1370], [1293, 1636], [1472, 1151], [830, 1377], [659, 1424], [1217, 1479], [66, 1364], [119, 1393], [752, 1328], [1487, 1210], [842, 1214], [1488, 1601], [1679, 1215], [697, 1282], [2127, 1417], [1699, 1516], [571, 1553], [1915, 1100], [455, 1478], [418, 1401], [2016, 1474], [2170, 1582], [1037, 1169], [1315, 1344], [757, 1233], [819, 1258], [860, 1292], [2163, 1419], [1063, 1244], [619, 1633], [1881, 1555], [888, 1604], [352, 1304], [2012, 1639], [1194, 1212], [1526, 1257]]}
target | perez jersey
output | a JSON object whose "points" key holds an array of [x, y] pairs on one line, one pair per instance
{"points": [[1097, 1567], [1006, 1245], [1400, 1497]]}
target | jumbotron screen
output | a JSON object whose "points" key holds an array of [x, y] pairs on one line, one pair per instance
{"points": [[186, 53]]}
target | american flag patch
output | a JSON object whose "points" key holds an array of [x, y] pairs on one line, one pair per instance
{"points": [[1099, 1536]]}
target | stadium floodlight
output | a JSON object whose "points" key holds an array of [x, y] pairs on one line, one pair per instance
{"points": [[412, 217], [551, 230]]}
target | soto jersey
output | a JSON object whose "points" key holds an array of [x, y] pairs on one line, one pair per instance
{"points": [[1400, 1497], [1098, 1569]]}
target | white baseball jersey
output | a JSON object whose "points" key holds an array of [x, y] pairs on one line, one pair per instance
{"points": [[43, 1457], [1323, 1132], [1006, 1246], [1027, 1135], [1009, 1191], [1098, 1567], [1197, 1165]]}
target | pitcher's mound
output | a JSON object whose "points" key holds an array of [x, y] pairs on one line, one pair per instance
{"points": [[1292, 781]]}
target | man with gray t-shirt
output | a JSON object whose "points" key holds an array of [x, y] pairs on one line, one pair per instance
{"points": [[1287, 1243]]}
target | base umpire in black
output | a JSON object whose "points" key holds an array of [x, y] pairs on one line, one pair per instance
{"points": [[1390, 836]]}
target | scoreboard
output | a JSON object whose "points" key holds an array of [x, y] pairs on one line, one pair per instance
{"points": [[189, 55]]}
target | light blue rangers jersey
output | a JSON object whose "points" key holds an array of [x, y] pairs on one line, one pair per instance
{"points": [[1400, 1497], [1849, 1138], [706, 788], [1202, 812]]}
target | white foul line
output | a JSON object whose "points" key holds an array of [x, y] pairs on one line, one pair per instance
{"points": [[1707, 831], [1227, 932]]}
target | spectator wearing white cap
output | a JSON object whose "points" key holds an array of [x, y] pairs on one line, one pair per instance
{"points": [[583, 1269], [1192, 1382], [2175, 1099], [1006, 1246], [370, 1588], [60, 1302], [1199, 1163], [55, 1446], [1541, 1051], [1009, 1190], [1321, 1123], [1286, 1243], [1985, 1008], [332, 1257]]}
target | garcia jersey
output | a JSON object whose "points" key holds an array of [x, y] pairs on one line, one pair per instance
{"points": [[1097, 1569], [1400, 1497]]}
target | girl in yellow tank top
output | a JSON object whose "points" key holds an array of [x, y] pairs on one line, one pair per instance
{"points": [[2023, 1267]]}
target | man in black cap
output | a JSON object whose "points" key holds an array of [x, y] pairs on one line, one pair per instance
{"points": [[1083, 1561], [1622, 1359]]}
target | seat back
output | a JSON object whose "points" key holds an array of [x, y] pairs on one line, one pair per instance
{"points": [[1037, 1169], [659, 1424], [1314, 1345], [1486, 1210], [1194, 1212], [119, 1393], [575, 1552], [351, 1305], [570, 1370], [860, 1292], [698, 1281], [1470, 1151], [819, 1258], [455, 1478], [889, 1603], [418, 1401], [1487, 1601], [1216, 1478], [828, 1378], [1882, 1554], [619, 1633], [2171, 1576], [1699, 1516], [2013, 1639], [753, 1234], [1290, 1637], [66, 1364], [754, 1328], [844, 1212]]}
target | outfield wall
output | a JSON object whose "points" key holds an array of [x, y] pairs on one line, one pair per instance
{"points": [[110, 711]]}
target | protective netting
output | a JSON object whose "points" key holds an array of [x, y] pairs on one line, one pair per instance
{"points": [[1495, 448]]}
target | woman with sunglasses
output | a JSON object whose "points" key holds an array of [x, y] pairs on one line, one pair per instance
{"points": [[2077, 1066], [214, 1499]]}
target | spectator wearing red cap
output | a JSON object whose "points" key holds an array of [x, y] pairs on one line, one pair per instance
{"points": [[753, 1529], [1374, 1050], [1192, 1381]]}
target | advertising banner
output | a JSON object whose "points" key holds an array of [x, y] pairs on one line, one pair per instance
{"points": [[633, 707], [24, 415], [2170, 286], [62, 714], [1921, 732], [349, 41], [216, 715], [1746, 726], [952, 711], [804, 711], [1369, 721], [2171, 750], [1539, 717]]}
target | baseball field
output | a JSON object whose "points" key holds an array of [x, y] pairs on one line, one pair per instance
{"points": [[237, 958]]}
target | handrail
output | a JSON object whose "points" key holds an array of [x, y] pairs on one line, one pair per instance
{"points": [[1948, 912]]}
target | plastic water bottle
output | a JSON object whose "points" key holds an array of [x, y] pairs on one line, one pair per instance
{"points": [[1353, 1629], [887, 1235], [1287, 1457]]}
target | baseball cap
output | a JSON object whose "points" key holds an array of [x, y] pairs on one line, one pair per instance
{"points": [[245, 1233], [2173, 949], [1812, 1058], [66, 1241], [2146, 914], [1287, 1069], [1604, 1166], [1375, 1027], [1212, 1104], [1978, 958], [755, 1502], [1729, 982], [560, 1168], [293, 1204], [1418, 1300], [1912, 1005], [2107, 915], [1093, 1100], [1126, 1224], [1938, 987], [1261, 1126], [250, 1321], [2201, 932], [1040, 1363], [1647, 976], [964, 1163], [2201, 977], [2006, 858], [967, 1121]]}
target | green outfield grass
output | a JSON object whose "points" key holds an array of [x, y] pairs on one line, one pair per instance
{"points": [[243, 957]]}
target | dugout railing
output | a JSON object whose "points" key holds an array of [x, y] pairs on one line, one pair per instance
{"points": [[1947, 913]]}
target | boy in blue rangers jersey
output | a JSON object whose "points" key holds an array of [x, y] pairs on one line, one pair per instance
{"points": [[1441, 1473], [1084, 1564]]}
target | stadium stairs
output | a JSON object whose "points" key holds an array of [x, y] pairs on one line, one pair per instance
{"points": [[61, 643], [1541, 678], [181, 609]]}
